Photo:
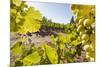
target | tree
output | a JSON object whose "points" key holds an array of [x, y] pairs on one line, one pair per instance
{"points": [[72, 19]]}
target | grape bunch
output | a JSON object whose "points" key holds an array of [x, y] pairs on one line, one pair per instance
{"points": [[85, 24]]}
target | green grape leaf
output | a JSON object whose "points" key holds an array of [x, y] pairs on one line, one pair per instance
{"points": [[51, 54], [53, 39], [17, 49], [76, 42], [68, 38], [82, 10], [62, 38], [16, 20], [31, 23], [16, 2], [33, 58], [23, 5], [13, 12], [62, 46]]}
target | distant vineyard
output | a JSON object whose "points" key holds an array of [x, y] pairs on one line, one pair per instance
{"points": [[48, 27], [69, 43]]}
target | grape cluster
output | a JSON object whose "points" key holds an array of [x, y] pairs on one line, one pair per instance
{"points": [[85, 24]]}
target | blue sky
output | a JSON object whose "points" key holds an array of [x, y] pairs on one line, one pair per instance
{"points": [[58, 12]]}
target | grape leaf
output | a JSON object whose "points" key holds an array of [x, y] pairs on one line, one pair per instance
{"points": [[33, 58], [62, 38], [16, 2], [17, 49], [51, 54], [76, 42], [31, 23]]}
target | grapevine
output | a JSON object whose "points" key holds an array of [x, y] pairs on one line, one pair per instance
{"points": [[36, 40]]}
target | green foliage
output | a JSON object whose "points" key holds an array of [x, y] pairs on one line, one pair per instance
{"points": [[30, 59], [24, 21], [76, 42], [62, 38], [17, 8], [51, 54], [31, 23], [85, 16], [16, 2], [17, 49], [68, 41]]}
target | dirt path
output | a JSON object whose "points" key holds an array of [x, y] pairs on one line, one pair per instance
{"points": [[34, 39]]}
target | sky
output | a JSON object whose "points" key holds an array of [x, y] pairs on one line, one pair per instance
{"points": [[58, 12]]}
